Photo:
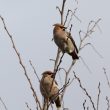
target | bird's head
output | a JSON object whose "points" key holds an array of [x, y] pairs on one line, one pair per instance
{"points": [[58, 27], [47, 73]]}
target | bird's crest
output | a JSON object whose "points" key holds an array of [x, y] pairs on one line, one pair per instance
{"points": [[47, 72], [59, 25]]}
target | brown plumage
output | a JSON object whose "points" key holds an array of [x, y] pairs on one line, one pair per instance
{"points": [[50, 92], [64, 41]]}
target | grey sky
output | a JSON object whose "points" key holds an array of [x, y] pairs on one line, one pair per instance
{"points": [[30, 23]]}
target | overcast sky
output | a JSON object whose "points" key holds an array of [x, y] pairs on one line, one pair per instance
{"points": [[30, 23]]}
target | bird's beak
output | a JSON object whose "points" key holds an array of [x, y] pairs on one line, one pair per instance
{"points": [[54, 25], [65, 27]]}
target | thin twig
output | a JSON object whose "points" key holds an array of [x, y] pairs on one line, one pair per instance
{"points": [[62, 11], [73, 14], [58, 9], [76, 1], [27, 105], [108, 103], [89, 44], [70, 29], [57, 68], [65, 108], [52, 60], [87, 94], [66, 16], [3, 104], [34, 70], [66, 77], [99, 91], [86, 35], [59, 63], [88, 32], [87, 108], [57, 59], [106, 77], [84, 104]]}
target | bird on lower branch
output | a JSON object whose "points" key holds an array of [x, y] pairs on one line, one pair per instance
{"points": [[49, 89]]}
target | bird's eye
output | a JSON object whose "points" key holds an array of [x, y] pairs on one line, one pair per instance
{"points": [[52, 76], [63, 29]]}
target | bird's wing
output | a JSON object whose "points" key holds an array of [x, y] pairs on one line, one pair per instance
{"points": [[69, 36]]}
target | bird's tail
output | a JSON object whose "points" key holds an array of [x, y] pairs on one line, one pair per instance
{"points": [[58, 102], [74, 55]]}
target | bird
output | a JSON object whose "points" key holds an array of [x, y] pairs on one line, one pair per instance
{"points": [[64, 41], [49, 89]]}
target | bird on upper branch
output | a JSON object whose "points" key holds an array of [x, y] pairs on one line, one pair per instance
{"points": [[49, 89], [64, 41]]}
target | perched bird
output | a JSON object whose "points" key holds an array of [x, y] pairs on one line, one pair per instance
{"points": [[49, 89], [64, 41]]}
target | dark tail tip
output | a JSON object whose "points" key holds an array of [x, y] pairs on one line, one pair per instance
{"points": [[58, 102], [74, 55]]}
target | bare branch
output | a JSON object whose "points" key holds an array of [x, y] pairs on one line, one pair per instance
{"points": [[59, 63], [87, 94], [88, 32], [62, 10], [73, 14], [70, 29], [99, 91], [57, 59], [27, 105], [84, 46], [63, 69], [108, 103], [80, 35], [21, 63], [66, 77], [71, 81], [65, 108], [58, 9], [84, 104], [106, 77], [76, 1], [86, 35], [87, 108], [34, 70], [52, 60], [66, 16], [57, 68], [3, 104], [89, 44]]}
